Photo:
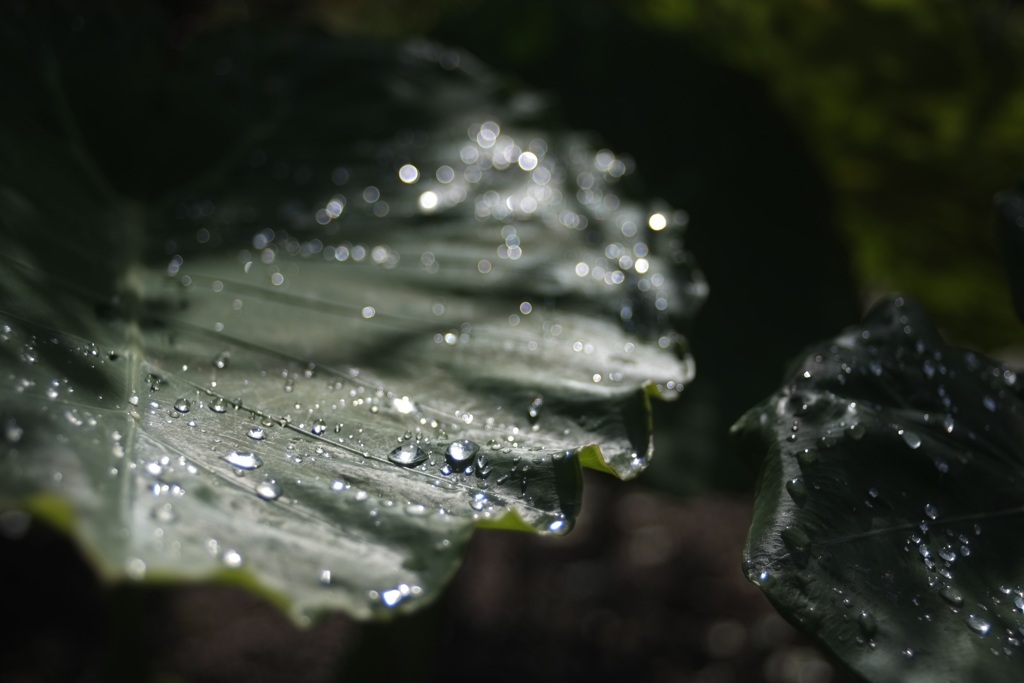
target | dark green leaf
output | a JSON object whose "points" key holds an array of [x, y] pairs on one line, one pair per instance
{"points": [[889, 503], [258, 294]]}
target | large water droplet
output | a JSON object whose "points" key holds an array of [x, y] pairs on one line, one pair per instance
{"points": [[952, 596], [219, 405], [978, 625], [930, 511], [797, 490], [319, 427], [244, 461], [256, 433], [183, 405], [797, 542], [407, 455], [268, 490], [868, 625], [460, 453], [231, 558], [856, 431], [478, 502], [910, 438]]}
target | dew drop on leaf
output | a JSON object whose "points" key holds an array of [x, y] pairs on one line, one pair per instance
{"points": [[461, 453], [910, 438], [219, 405], [231, 558], [407, 455], [534, 412], [268, 490], [319, 427], [243, 460], [978, 625], [256, 433], [183, 405], [952, 596]]}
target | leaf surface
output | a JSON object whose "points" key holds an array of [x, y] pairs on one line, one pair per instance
{"points": [[302, 311], [889, 503]]}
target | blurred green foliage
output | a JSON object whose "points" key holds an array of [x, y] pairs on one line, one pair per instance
{"points": [[915, 110]]}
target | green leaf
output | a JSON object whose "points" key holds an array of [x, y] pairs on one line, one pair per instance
{"points": [[301, 311], [889, 503]]}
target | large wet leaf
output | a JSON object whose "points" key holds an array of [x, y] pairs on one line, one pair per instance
{"points": [[304, 311], [890, 502]]}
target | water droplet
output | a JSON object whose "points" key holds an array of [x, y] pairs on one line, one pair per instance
{"points": [[930, 511], [133, 398], [407, 455], [220, 361], [908, 653], [797, 490], [268, 490], [978, 625], [13, 431], [989, 403], [244, 461], [415, 510], [478, 502], [947, 423], [325, 577], [534, 411], [256, 433], [952, 596], [947, 553], [319, 427], [183, 405], [910, 438], [797, 542], [219, 405], [868, 625], [395, 595], [807, 457], [461, 453], [231, 558], [856, 431]]}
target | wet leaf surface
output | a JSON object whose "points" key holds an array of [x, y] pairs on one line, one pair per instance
{"points": [[262, 295], [890, 500]]}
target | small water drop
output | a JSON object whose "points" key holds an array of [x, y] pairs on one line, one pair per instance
{"points": [[219, 405], [978, 625], [319, 427], [910, 438], [460, 454], [534, 412], [478, 502], [339, 485], [415, 510], [868, 625], [231, 558], [133, 398], [183, 405], [947, 424], [952, 596], [268, 490], [244, 461], [407, 455], [797, 490], [13, 431], [930, 511], [220, 361], [256, 433], [325, 577], [807, 457], [856, 431]]}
